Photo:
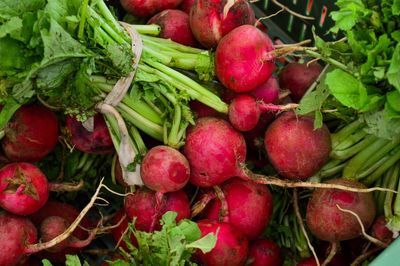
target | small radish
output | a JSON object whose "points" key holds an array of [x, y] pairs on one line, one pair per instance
{"points": [[31, 134], [164, 169], [251, 219], [15, 234], [380, 231], [264, 252], [327, 222], [268, 92], [118, 232], [298, 78], [23, 188], [147, 8], [210, 20], [307, 262], [243, 59], [244, 112], [186, 6], [231, 247], [98, 141], [294, 147], [201, 110], [174, 25]]}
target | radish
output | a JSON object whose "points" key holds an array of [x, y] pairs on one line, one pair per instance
{"points": [[164, 169], [174, 25], [231, 247], [251, 219], [147, 8], [268, 92], [201, 110], [298, 78], [15, 234], [118, 232], [264, 252], [97, 141], [186, 6], [380, 231], [31, 134], [295, 148], [210, 20], [327, 222], [23, 188], [307, 262], [243, 59]]}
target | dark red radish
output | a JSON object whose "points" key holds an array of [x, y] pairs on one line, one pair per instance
{"points": [[380, 231], [249, 206], [295, 148], [307, 262], [186, 6], [98, 141], [23, 188], [255, 137], [118, 174], [15, 234], [164, 169], [264, 252], [174, 25], [202, 110], [297, 78], [118, 232], [268, 92], [31, 134], [327, 222], [231, 248], [148, 209], [210, 20], [147, 8], [243, 60]]}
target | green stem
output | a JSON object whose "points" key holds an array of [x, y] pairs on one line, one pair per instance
{"points": [[329, 60], [2, 133], [152, 29], [82, 161], [396, 206], [108, 16], [171, 44], [173, 139], [141, 146], [382, 152], [102, 38], [349, 152], [388, 210], [351, 140], [82, 19], [394, 157], [342, 134], [152, 53]]}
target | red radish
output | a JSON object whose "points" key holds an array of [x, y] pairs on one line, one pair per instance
{"points": [[244, 112], [31, 134], [231, 247], [118, 232], [268, 92], [307, 262], [164, 169], [118, 174], [15, 234], [295, 148], [148, 209], [264, 252], [298, 78], [327, 222], [243, 60], [255, 137], [174, 25], [210, 20], [249, 206], [99, 141], [147, 8], [186, 6], [380, 230], [202, 110], [23, 188]]}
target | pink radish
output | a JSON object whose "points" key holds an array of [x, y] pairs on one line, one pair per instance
{"points": [[249, 206], [174, 25], [31, 134], [23, 188], [243, 59], [231, 247], [147, 8], [210, 20], [268, 92], [295, 148], [264, 252], [164, 169]]}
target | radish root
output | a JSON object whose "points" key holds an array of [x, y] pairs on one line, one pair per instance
{"points": [[224, 211], [199, 206], [359, 260], [333, 250], [67, 187], [300, 16]]}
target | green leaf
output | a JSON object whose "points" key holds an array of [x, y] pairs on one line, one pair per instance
{"points": [[393, 73], [12, 8], [393, 100], [396, 7], [14, 24], [73, 260], [119, 263], [46, 262], [381, 125], [9, 108], [205, 244], [350, 12], [188, 229]]}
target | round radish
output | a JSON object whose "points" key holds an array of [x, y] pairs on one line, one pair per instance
{"points": [[147, 8], [23, 188], [381, 231], [174, 25], [164, 169], [307, 262], [327, 222], [264, 252], [231, 247], [186, 6], [242, 59], [244, 113], [99, 141], [249, 206], [268, 92], [31, 134], [202, 110], [295, 148], [210, 20]]}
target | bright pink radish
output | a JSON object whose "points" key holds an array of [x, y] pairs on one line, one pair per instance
{"points": [[210, 20], [244, 112], [186, 6], [380, 231], [298, 78], [23, 188], [174, 25], [327, 222], [249, 206], [307, 262], [147, 8], [31, 134], [231, 247], [148, 208], [164, 169], [264, 252], [242, 59], [98, 142], [268, 92], [295, 148], [15, 234]]}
